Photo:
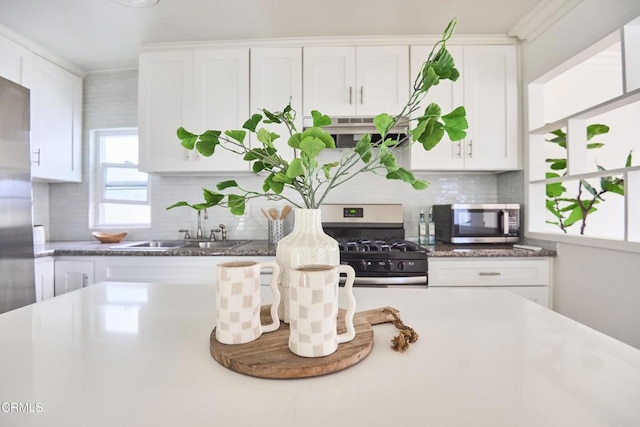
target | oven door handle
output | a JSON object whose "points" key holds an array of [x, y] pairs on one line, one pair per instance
{"points": [[388, 280]]}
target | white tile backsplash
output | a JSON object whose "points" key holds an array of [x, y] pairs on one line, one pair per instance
{"points": [[40, 191], [110, 100]]}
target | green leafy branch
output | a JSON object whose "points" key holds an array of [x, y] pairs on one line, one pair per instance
{"points": [[573, 210], [303, 173]]}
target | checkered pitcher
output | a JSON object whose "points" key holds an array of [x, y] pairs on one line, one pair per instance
{"points": [[238, 301], [313, 304]]}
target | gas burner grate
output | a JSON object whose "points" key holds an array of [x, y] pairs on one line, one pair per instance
{"points": [[376, 245]]}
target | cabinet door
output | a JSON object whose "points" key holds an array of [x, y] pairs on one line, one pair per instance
{"points": [[490, 96], [221, 81], [382, 79], [165, 102], [72, 275], [12, 57], [43, 269], [276, 80], [447, 155], [487, 88], [329, 80], [179, 269], [56, 122]]}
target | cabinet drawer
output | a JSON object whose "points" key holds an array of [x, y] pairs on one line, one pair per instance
{"points": [[489, 272]]}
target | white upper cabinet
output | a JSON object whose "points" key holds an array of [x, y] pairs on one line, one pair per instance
{"points": [[382, 79], [219, 88], [363, 81], [221, 101], [448, 95], [276, 80], [491, 95], [488, 89], [12, 60], [165, 100], [198, 89], [56, 112], [56, 121]]}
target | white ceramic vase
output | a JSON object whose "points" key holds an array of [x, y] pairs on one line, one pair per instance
{"points": [[306, 244]]}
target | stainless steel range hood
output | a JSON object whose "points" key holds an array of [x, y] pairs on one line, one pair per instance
{"points": [[347, 130]]}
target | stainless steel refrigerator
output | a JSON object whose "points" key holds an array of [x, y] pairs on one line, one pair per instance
{"points": [[17, 281]]}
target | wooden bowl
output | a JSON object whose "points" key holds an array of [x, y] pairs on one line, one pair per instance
{"points": [[108, 237]]}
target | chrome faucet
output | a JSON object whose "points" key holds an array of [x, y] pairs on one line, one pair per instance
{"points": [[223, 233], [199, 234]]}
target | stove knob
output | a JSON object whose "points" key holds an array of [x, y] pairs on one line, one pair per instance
{"points": [[400, 265], [388, 265], [363, 265]]}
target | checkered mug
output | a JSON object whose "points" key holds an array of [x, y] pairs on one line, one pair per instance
{"points": [[313, 309], [238, 301]]}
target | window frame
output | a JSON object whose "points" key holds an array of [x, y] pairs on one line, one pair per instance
{"points": [[98, 179], [535, 178]]}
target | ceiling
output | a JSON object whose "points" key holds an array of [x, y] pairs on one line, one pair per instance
{"points": [[102, 34]]}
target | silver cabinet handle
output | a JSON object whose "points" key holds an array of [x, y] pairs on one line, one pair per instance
{"points": [[37, 154], [471, 148], [186, 154], [350, 95], [84, 280], [361, 95], [489, 273], [459, 153]]}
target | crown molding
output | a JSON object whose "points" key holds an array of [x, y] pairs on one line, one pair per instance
{"points": [[483, 39], [38, 50], [541, 18]]}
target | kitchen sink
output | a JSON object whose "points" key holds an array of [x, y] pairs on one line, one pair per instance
{"points": [[164, 245], [227, 244], [159, 245]]}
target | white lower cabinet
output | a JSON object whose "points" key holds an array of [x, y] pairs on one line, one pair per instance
{"points": [[530, 278], [72, 274], [44, 275], [168, 269]]}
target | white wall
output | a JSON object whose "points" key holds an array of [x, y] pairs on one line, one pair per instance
{"points": [[594, 286], [600, 288], [588, 22]]}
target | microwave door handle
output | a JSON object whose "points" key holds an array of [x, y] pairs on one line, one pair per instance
{"points": [[505, 222]]}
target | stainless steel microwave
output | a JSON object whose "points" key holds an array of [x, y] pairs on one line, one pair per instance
{"points": [[477, 223]]}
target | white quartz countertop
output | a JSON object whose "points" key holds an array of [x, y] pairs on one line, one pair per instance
{"points": [[131, 354]]}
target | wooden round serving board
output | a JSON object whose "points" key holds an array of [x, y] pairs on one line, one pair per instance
{"points": [[269, 356]]}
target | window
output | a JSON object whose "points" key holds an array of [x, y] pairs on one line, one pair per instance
{"points": [[120, 192], [584, 149]]}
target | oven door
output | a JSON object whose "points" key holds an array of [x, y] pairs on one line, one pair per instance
{"points": [[374, 274]]}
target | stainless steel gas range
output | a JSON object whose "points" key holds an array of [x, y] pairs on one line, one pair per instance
{"points": [[372, 241]]}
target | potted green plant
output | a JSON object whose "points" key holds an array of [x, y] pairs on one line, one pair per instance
{"points": [[568, 210], [305, 183]]}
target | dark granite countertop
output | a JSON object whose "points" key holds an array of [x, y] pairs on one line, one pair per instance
{"points": [[448, 250], [93, 248], [262, 248]]}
